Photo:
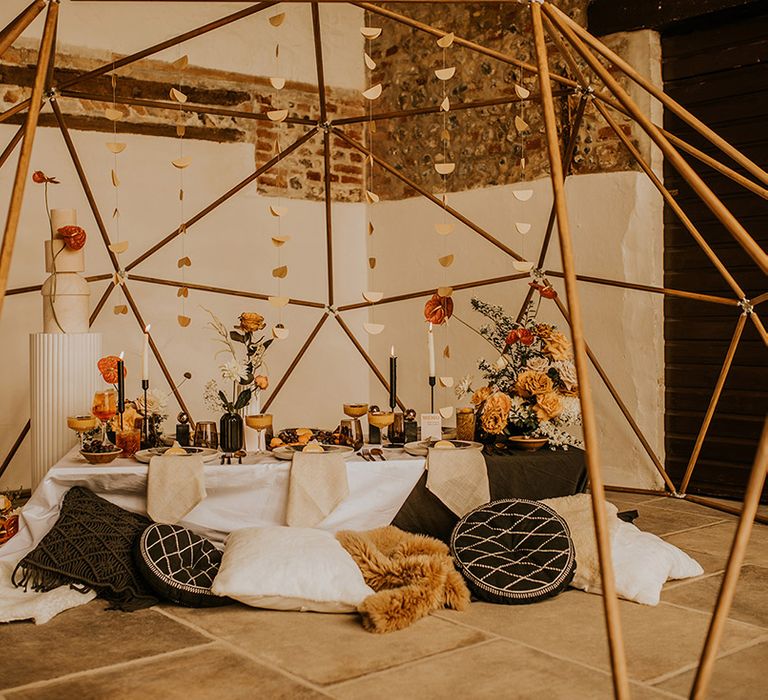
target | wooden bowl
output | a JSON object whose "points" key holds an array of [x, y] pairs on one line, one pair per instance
{"points": [[100, 457], [527, 444]]}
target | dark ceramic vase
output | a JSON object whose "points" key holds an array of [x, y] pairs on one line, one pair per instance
{"points": [[231, 433]]}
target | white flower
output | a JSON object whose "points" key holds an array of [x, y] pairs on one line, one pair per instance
{"points": [[232, 371], [567, 372], [156, 403], [464, 386], [501, 363], [537, 364], [571, 413], [211, 397]]}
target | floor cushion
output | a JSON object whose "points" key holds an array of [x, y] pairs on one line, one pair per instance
{"points": [[290, 568], [514, 551], [90, 545], [179, 565]]}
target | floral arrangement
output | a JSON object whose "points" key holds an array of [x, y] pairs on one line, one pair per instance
{"points": [[239, 368], [531, 388]]}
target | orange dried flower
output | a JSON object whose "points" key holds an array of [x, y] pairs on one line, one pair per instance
{"points": [[438, 309], [108, 368]]}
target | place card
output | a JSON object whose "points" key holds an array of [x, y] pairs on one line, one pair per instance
{"points": [[431, 426]]}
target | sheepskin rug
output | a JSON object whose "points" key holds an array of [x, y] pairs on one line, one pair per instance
{"points": [[411, 574]]}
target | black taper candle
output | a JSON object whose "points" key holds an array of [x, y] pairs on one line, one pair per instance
{"points": [[121, 390], [392, 380]]}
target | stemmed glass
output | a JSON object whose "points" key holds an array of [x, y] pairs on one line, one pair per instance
{"points": [[104, 408], [379, 419], [262, 424], [82, 425]]}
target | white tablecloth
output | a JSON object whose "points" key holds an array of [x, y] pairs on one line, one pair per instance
{"points": [[253, 494]]}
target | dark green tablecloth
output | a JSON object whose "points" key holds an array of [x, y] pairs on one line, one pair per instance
{"points": [[533, 475]]}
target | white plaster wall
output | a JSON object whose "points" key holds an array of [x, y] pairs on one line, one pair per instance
{"points": [[230, 248], [245, 46], [616, 225]]}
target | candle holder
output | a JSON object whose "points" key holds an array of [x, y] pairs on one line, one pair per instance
{"points": [[432, 382], [145, 387]]}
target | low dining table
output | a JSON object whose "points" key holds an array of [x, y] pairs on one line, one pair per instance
{"points": [[255, 493]]}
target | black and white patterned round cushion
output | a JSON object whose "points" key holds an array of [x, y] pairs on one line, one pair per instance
{"points": [[179, 565], [514, 551]]}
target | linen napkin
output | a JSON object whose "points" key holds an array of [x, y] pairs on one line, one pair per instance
{"points": [[317, 485], [459, 478], [175, 485]]}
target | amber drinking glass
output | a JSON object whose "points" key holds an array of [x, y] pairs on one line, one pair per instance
{"points": [[206, 435], [129, 441], [104, 407]]}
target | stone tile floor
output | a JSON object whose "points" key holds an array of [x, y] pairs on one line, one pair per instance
{"points": [[555, 649]]}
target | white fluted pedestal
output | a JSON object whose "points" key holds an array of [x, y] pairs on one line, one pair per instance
{"points": [[63, 377]]}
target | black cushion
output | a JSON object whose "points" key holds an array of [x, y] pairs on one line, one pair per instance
{"points": [[514, 551], [179, 565], [90, 545]]}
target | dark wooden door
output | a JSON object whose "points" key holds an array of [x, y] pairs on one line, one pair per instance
{"points": [[718, 70]]}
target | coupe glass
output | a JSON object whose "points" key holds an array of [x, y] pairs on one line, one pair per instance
{"points": [[355, 410], [262, 424], [104, 408], [379, 420], [82, 425]]}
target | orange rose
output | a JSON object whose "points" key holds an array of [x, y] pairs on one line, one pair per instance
{"points": [[496, 413], [261, 381], [548, 406], [557, 346], [532, 383], [250, 322], [480, 395]]}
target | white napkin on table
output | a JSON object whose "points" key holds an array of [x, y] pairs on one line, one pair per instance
{"points": [[317, 485], [175, 485], [459, 478]]}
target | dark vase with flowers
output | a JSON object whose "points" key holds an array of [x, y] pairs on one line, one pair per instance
{"points": [[231, 433]]}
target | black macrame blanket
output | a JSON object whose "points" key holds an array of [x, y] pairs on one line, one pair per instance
{"points": [[90, 546]]}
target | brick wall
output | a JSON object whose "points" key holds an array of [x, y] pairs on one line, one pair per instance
{"points": [[484, 143], [300, 175]]}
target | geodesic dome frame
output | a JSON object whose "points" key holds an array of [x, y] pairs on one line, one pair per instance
{"points": [[568, 37]]}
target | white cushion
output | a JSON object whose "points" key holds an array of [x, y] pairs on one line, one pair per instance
{"points": [[642, 562], [290, 568]]}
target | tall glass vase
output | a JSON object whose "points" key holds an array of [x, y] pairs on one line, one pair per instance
{"points": [[254, 406]]}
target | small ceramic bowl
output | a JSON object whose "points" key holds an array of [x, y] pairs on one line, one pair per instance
{"points": [[100, 457], [527, 444]]}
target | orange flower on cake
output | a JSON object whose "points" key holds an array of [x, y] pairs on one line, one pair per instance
{"points": [[251, 322], [548, 406], [496, 413], [532, 383]]}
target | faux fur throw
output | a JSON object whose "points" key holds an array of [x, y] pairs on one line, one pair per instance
{"points": [[411, 574]]}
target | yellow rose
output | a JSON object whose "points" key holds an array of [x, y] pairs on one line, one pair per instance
{"points": [[548, 406], [532, 383], [261, 381], [480, 395], [250, 322], [496, 413]]}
